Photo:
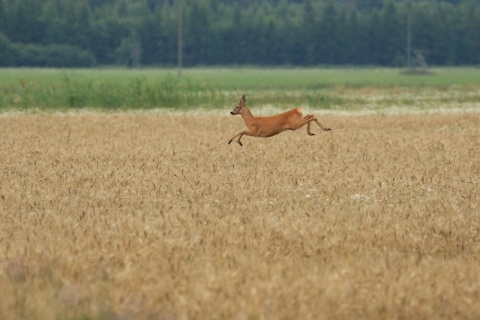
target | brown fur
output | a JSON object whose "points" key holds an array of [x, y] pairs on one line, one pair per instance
{"points": [[273, 125]]}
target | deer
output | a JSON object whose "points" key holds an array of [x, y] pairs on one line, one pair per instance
{"points": [[270, 126]]}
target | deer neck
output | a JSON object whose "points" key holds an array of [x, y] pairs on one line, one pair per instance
{"points": [[247, 115]]}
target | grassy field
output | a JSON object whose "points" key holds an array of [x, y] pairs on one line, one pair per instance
{"points": [[145, 215], [120, 198], [346, 89], [253, 78]]}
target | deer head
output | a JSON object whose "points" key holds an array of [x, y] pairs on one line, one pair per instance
{"points": [[240, 107]]}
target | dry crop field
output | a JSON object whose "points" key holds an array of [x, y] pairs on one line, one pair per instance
{"points": [[150, 215]]}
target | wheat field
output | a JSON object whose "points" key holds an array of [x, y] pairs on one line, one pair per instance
{"points": [[145, 215]]}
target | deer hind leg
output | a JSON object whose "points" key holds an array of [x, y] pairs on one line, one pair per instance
{"points": [[308, 129], [240, 135], [307, 120], [320, 125]]}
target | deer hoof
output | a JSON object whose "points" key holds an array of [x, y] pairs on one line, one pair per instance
{"points": [[311, 134], [229, 141], [241, 145]]}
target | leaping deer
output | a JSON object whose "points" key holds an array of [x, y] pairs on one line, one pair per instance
{"points": [[273, 125]]}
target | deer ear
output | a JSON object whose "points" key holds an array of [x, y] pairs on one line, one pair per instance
{"points": [[244, 99]]}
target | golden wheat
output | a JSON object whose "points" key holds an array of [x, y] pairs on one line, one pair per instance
{"points": [[151, 216]]}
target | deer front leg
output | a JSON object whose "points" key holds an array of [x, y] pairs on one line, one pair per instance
{"points": [[240, 135]]}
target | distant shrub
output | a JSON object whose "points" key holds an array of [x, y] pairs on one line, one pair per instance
{"points": [[53, 56], [31, 55], [7, 52]]}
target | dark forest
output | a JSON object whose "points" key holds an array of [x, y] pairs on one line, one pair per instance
{"points": [[85, 33]]}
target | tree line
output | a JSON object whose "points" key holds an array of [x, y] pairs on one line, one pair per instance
{"points": [[83, 33]]}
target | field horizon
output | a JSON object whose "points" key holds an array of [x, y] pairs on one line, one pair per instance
{"points": [[346, 89]]}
